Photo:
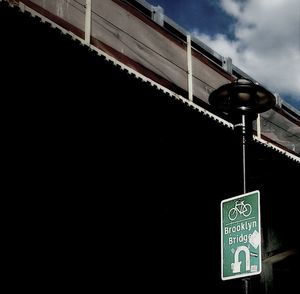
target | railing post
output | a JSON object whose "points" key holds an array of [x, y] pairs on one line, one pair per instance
{"points": [[258, 126], [88, 15], [227, 64], [158, 14], [189, 67]]}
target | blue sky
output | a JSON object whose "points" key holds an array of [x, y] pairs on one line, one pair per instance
{"points": [[191, 14], [261, 36]]}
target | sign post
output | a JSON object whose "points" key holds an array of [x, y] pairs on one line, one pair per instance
{"points": [[240, 215], [240, 236]]}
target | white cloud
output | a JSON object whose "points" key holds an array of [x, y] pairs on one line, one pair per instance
{"points": [[266, 44]]}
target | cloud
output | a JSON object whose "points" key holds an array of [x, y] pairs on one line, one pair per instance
{"points": [[266, 43]]}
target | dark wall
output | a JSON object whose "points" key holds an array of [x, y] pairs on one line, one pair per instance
{"points": [[114, 182]]}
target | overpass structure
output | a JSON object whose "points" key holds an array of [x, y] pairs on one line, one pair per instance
{"points": [[119, 163], [139, 38]]}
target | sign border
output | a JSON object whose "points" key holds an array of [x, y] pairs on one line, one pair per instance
{"points": [[259, 250]]}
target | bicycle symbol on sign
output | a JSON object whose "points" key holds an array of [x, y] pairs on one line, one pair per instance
{"points": [[239, 209]]}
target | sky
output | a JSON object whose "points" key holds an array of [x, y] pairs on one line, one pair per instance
{"points": [[261, 36]]}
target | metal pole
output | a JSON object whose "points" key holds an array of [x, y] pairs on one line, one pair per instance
{"points": [[246, 280], [244, 150], [246, 285]]}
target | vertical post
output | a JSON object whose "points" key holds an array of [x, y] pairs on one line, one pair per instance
{"points": [[258, 126], [227, 64], [245, 280], [244, 150], [246, 285], [157, 14], [189, 67], [88, 15]]}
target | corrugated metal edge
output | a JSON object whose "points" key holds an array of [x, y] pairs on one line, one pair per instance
{"points": [[276, 148], [158, 86]]}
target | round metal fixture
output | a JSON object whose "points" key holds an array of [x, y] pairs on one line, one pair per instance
{"points": [[242, 97]]}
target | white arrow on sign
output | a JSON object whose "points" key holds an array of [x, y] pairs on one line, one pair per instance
{"points": [[236, 265]]}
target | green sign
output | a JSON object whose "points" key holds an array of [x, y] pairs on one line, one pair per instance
{"points": [[240, 236]]}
